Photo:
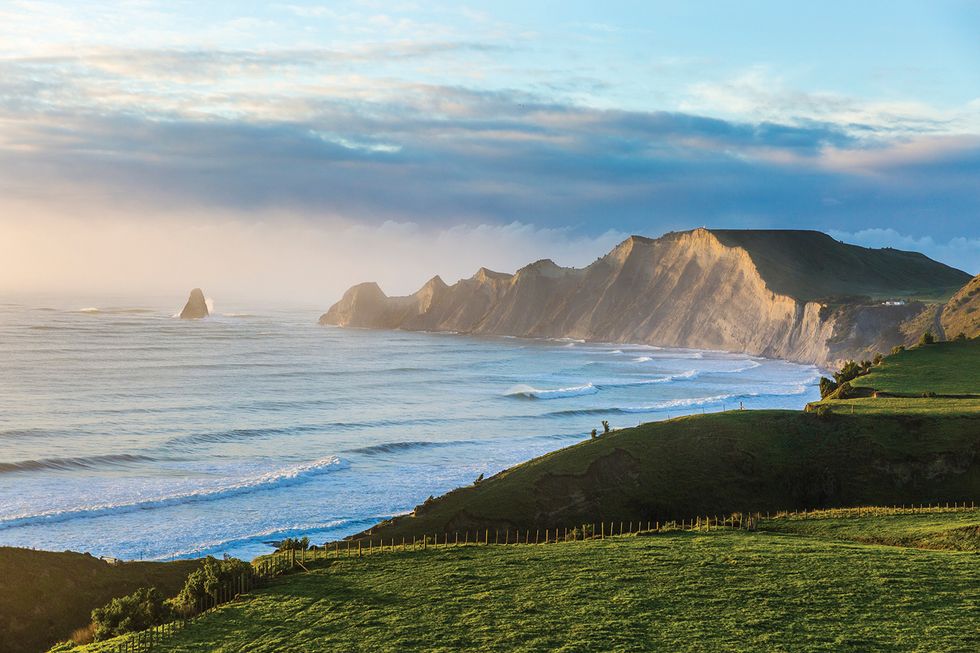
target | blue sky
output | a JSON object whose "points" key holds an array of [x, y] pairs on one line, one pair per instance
{"points": [[522, 129]]}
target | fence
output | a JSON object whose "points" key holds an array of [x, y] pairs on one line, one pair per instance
{"points": [[270, 566]]}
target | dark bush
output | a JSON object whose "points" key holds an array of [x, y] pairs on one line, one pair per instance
{"points": [[850, 371], [898, 349], [928, 394], [827, 387], [877, 359], [927, 338], [140, 610], [203, 584], [960, 337], [290, 544]]}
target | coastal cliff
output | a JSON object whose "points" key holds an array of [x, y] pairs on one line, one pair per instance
{"points": [[796, 295]]}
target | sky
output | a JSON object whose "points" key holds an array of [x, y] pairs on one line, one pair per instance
{"points": [[291, 149]]}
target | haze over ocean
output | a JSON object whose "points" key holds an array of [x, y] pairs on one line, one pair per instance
{"points": [[126, 432]]}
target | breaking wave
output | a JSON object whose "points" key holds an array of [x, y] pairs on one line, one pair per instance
{"points": [[529, 392], [691, 402], [293, 475]]}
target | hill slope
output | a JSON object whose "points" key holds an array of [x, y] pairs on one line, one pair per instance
{"points": [[715, 464], [46, 595], [784, 294], [962, 313]]}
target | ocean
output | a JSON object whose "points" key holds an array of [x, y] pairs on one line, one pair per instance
{"points": [[125, 432]]}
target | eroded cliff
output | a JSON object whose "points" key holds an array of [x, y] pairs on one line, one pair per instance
{"points": [[728, 290]]}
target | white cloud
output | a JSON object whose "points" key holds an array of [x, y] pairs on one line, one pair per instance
{"points": [[757, 95]]}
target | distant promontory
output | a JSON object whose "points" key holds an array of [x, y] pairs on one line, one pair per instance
{"points": [[795, 295]]}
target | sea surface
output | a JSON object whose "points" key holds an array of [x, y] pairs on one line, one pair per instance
{"points": [[129, 433]]}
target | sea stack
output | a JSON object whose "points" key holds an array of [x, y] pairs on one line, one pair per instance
{"points": [[196, 307]]}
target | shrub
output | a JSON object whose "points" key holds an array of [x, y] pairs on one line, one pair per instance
{"points": [[845, 391], [140, 610], [927, 338], [290, 544], [605, 426], [851, 370], [898, 349], [928, 394], [960, 337], [594, 433], [827, 387], [877, 359], [823, 411], [205, 582]]}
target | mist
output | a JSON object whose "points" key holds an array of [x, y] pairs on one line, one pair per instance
{"points": [[265, 258]]}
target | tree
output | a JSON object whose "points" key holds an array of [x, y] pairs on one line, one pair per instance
{"points": [[960, 337], [850, 371], [927, 338], [138, 611], [203, 584], [826, 387], [898, 349], [877, 359], [605, 426], [594, 433]]}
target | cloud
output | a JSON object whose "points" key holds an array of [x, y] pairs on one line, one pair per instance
{"points": [[758, 94], [240, 139]]}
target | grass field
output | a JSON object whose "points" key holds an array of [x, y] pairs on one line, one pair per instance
{"points": [[46, 595], [945, 368], [808, 588], [934, 407], [956, 531]]}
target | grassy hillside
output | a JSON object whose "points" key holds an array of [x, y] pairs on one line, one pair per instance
{"points": [[674, 591], [938, 530], [945, 368], [716, 463], [47, 595], [811, 265]]}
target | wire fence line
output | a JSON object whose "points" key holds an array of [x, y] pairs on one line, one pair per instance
{"points": [[266, 568]]}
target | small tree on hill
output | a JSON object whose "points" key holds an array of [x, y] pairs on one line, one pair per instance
{"points": [[605, 426], [140, 610], [827, 387], [960, 337], [850, 371], [898, 349], [204, 583], [927, 338]]}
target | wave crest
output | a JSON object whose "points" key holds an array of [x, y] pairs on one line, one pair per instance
{"points": [[293, 475], [529, 392]]}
